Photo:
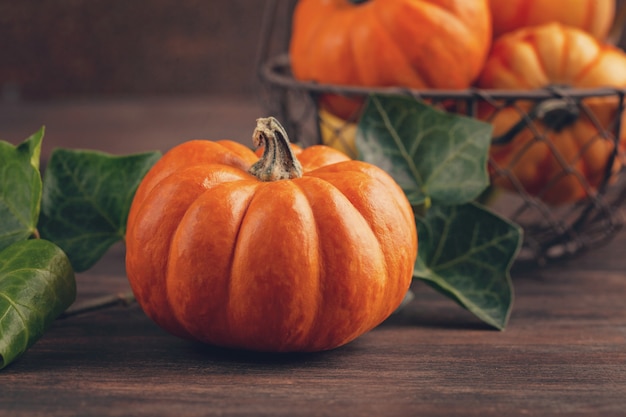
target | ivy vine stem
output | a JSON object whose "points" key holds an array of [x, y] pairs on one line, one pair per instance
{"points": [[99, 303]]}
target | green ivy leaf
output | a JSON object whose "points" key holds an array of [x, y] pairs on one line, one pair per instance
{"points": [[466, 252], [36, 285], [432, 155], [20, 189], [86, 199]]}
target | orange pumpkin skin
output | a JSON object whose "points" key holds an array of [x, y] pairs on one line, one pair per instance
{"points": [[593, 16], [409, 43], [538, 57], [304, 264]]}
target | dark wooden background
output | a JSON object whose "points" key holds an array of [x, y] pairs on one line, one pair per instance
{"points": [[69, 48], [78, 48]]}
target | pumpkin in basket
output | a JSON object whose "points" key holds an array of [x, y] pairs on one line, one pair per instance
{"points": [[377, 43], [592, 16], [280, 253], [563, 155]]}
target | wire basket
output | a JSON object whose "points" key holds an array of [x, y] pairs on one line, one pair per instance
{"points": [[551, 232]]}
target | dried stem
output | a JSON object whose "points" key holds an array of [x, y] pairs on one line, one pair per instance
{"points": [[278, 161]]}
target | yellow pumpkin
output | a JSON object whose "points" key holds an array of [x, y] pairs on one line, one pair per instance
{"points": [[337, 133]]}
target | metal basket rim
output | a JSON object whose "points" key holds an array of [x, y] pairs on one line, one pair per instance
{"points": [[276, 71]]}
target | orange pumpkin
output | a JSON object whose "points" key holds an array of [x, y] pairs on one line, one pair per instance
{"points": [[592, 16], [377, 43], [278, 253], [559, 159]]}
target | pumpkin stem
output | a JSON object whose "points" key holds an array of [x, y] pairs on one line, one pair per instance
{"points": [[278, 161], [556, 114]]}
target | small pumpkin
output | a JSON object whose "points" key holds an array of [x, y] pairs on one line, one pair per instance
{"points": [[299, 250], [378, 43], [563, 154], [593, 16]]}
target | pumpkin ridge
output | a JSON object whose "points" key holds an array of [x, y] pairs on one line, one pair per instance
{"points": [[356, 69], [321, 277], [420, 72], [566, 57], [307, 67], [331, 177], [533, 43], [290, 280], [418, 81], [379, 249], [311, 186], [410, 76], [304, 41], [592, 24], [372, 172], [196, 152], [394, 191], [169, 185], [501, 60], [236, 248], [354, 42], [183, 223], [600, 53], [184, 257], [463, 30], [233, 253]]}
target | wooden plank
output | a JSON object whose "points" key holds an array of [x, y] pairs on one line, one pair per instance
{"points": [[563, 352]]}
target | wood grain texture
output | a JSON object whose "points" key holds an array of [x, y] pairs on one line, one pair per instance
{"points": [[71, 48], [86, 48], [127, 125], [563, 352]]}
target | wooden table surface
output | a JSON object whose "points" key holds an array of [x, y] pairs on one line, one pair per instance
{"points": [[563, 352]]}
